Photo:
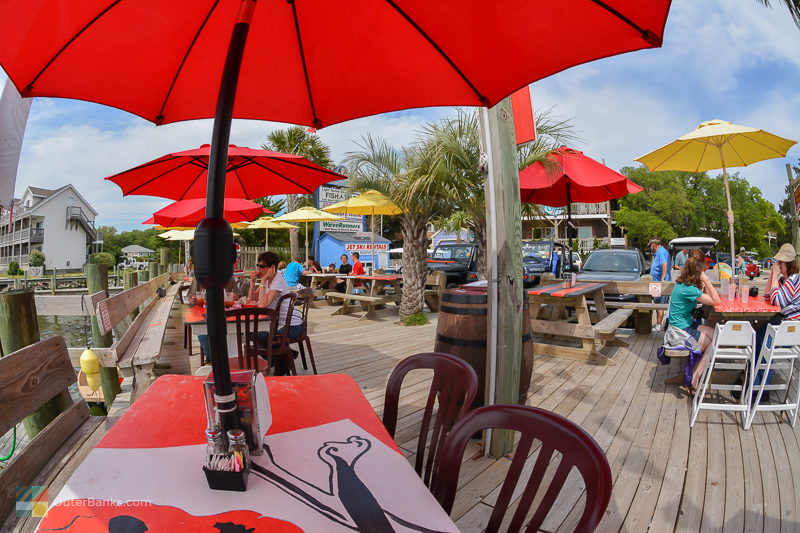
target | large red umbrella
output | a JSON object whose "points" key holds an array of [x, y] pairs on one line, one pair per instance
{"points": [[251, 174], [313, 62], [570, 176], [191, 212]]}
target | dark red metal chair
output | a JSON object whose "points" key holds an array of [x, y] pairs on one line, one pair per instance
{"points": [[248, 321], [278, 345], [577, 449], [305, 296], [453, 387]]}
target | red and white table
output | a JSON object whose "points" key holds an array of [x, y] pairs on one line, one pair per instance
{"points": [[326, 445]]}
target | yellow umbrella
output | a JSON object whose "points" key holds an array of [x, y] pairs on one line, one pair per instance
{"points": [[718, 144], [268, 223], [306, 214], [368, 203]]}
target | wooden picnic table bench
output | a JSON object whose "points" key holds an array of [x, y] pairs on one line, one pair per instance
{"points": [[369, 303], [137, 347], [591, 337], [29, 378]]}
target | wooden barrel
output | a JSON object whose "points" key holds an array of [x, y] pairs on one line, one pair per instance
{"points": [[461, 331]]}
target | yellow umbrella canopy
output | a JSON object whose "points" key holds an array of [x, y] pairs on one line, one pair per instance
{"points": [[368, 203], [306, 214], [268, 223], [718, 144]]}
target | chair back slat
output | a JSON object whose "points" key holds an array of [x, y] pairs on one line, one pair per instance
{"points": [[305, 296], [453, 387], [31, 376], [247, 322], [557, 434]]}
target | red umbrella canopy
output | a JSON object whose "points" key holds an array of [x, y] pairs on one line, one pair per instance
{"points": [[191, 212], [587, 180], [251, 174], [313, 62]]}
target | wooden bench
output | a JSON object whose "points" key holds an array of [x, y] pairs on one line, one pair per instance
{"points": [[28, 378], [138, 343], [435, 285], [607, 327], [368, 303]]}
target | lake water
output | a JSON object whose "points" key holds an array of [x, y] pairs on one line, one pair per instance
{"points": [[75, 329]]}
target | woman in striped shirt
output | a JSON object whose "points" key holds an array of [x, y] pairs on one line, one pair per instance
{"points": [[783, 287]]}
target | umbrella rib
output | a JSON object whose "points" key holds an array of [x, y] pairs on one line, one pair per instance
{"points": [[481, 98], [189, 188], [735, 151], [28, 88], [309, 191], [314, 119], [673, 154], [160, 116], [238, 177], [746, 136], [647, 35], [151, 180]]}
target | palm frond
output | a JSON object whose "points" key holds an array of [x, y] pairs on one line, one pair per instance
{"points": [[792, 5]]}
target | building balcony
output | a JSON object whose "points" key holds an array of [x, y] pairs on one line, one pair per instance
{"points": [[37, 235]]}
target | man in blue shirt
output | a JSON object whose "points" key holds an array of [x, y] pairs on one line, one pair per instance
{"points": [[660, 271], [293, 272]]}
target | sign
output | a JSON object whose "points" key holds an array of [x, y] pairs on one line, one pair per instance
{"points": [[366, 247], [655, 290], [617, 241], [333, 195], [553, 211]]}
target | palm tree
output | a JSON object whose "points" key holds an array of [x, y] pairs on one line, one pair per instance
{"points": [[394, 172], [792, 5], [452, 150], [298, 140]]}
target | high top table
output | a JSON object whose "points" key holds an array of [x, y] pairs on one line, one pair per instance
{"points": [[329, 466]]}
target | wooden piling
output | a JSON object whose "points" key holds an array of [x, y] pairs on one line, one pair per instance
{"points": [[53, 283], [96, 281], [164, 260], [152, 270], [19, 328], [129, 281], [143, 276]]}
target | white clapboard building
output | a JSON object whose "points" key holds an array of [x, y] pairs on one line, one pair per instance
{"points": [[59, 223]]}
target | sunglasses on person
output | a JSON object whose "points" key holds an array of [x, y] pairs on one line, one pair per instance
{"points": [[259, 265]]}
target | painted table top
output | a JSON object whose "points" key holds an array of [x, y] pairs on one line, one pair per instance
{"points": [[557, 290], [325, 442], [754, 305]]}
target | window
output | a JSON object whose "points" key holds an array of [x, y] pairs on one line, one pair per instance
{"points": [[584, 232]]}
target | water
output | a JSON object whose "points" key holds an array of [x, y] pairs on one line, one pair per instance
{"points": [[69, 327]]}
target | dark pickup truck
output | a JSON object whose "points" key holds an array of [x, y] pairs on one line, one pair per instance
{"points": [[541, 257], [456, 260]]}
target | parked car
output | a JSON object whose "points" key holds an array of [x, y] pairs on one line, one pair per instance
{"points": [[129, 263], [540, 257], [455, 260], [614, 264]]}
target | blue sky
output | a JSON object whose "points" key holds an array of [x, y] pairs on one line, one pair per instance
{"points": [[729, 59]]}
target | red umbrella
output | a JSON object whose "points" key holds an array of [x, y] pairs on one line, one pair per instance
{"points": [[191, 212], [314, 62], [251, 174], [569, 176]]}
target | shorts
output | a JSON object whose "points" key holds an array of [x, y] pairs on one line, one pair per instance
{"points": [[692, 330], [661, 300]]}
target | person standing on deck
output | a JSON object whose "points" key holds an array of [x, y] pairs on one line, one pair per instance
{"points": [[680, 259], [659, 271], [358, 267]]}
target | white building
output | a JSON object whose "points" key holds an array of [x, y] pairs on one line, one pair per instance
{"points": [[134, 251], [59, 223]]}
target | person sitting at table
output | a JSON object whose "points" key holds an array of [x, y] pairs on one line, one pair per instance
{"points": [[294, 271], [282, 267], [782, 290], [273, 286], [692, 287], [358, 267], [188, 269], [316, 268], [331, 269], [345, 268]]}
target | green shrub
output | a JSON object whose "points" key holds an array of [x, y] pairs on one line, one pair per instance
{"points": [[102, 258], [417, 319], [36, 258], [13, 268]]}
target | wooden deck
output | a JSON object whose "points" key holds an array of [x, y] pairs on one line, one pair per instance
{"points": [[667, 477]]}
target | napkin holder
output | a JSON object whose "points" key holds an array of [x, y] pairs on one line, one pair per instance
{"points": [[222, 480], [253, 408]]}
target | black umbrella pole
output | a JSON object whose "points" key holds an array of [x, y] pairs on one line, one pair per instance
{"points": [[214, 236]]}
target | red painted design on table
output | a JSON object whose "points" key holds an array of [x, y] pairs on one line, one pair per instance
{"points": [[753, 305]]}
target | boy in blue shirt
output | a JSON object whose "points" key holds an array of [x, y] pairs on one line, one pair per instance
{"points": [[293, 272], [660, 271]]}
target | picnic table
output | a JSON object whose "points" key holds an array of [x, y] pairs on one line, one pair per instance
{"points": [[330, 466], [756, 307], [375, 296], [592, 337], [321, 282]]}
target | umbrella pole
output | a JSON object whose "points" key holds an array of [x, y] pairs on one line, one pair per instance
{"points": [[266, 238], [569, 224], [374, 257], [214, 235], [306, 244], [730, 217]]}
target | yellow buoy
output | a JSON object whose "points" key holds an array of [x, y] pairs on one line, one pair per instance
{"points": [[90, 366]]}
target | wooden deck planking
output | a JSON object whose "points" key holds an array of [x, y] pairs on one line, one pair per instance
{"points": [[667, 476]]}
